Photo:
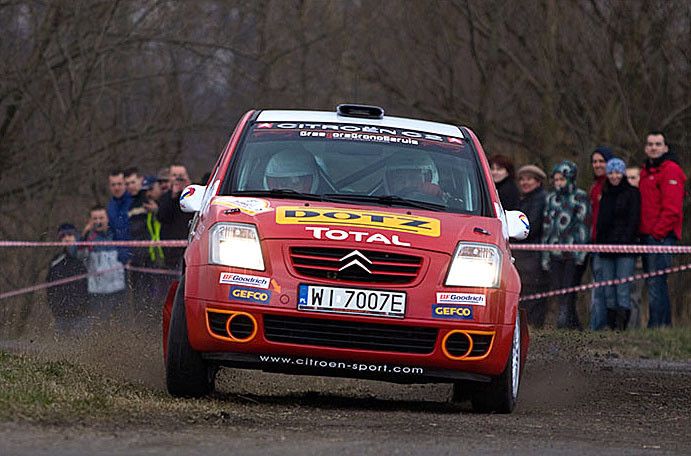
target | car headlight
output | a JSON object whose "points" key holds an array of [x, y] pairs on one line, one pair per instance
{"points": [[235, 244], [475, 265]]}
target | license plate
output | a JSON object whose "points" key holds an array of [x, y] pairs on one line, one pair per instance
{"points": [[352, 301]]}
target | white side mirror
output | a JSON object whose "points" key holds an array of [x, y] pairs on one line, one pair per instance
{"points": [[519, 225], [192, 197]]}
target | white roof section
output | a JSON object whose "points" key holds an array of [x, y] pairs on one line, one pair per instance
{"points": [[331, 118]]}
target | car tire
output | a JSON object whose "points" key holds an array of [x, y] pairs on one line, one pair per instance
{"points": [[187, 374], [499, 395]]}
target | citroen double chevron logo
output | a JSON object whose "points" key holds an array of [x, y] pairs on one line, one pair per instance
{"points": [[355, 261]]}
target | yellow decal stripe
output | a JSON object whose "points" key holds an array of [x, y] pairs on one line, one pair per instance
{"points": [[300, 215]]}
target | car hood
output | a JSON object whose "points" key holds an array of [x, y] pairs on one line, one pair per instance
{"points": [[367, 224]]}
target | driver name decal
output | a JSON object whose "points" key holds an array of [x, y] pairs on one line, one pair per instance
{"points": [[298, 215]]}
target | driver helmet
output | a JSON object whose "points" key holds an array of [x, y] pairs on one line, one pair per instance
{"points": [[410, 169], [292, 170]]}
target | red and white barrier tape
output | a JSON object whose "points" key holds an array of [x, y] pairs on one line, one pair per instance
{"points": [[605, 283], [56, 283], [597, 248], [152, 270], [169, 243], [606, 248]]}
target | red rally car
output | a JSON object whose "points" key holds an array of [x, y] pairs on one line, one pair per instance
{"points": [[350, 244]]}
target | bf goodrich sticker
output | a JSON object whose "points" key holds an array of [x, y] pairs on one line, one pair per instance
{"points": [[474, 299], [247, 280]]}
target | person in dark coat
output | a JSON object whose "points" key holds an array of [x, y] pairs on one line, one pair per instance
{"points": [[503, 175], [598, 162], [617, 223], [531, 180], [138, 281], [117, 210], [68, 302], [174, 222]]}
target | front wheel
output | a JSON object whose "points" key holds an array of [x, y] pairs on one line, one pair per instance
{"points": [[500, 394], [187, 374]]}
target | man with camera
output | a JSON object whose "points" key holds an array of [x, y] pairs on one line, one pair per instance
{"points": [[174, 222]]}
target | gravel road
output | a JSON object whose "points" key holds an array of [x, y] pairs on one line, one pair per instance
{"points": [[570, 403]]}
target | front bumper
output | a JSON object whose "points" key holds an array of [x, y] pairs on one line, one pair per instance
{"points": [[249, 346]]}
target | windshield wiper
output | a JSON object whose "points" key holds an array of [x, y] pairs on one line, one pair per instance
{"points": [[388, 200], [278, 193]]}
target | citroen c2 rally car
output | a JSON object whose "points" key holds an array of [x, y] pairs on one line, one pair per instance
{"points": [[349, 244]]}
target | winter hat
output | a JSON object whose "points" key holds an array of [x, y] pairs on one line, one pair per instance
{"points": [[616, 165], [66, 229], [566, 168], [605, 151], [148, 182], [533, 170]]}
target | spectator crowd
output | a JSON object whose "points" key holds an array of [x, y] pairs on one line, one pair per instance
{"points": [[141, 208], [623, 206]]}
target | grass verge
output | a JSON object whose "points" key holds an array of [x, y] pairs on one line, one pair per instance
{"points": [[42, 391]]}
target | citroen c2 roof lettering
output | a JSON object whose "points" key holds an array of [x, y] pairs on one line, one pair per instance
{"points": [[350, 235], [317, 118]]}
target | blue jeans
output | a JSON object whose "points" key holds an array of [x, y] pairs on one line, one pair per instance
{"points": [[660, 312], [598, 312], [618, 267]]}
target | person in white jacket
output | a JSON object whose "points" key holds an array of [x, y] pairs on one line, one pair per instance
{"points": [[107, 290]]}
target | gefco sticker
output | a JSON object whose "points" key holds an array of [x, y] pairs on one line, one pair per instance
{"points": [[298, 215], [249, 295], [359, 132], [249, 206], [242, 279], [473, 299], [453, 312]]}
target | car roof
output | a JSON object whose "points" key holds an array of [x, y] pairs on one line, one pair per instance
{"points": [[387, 121]]}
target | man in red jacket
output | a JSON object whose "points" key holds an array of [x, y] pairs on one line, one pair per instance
{"points": [[662, 193]]}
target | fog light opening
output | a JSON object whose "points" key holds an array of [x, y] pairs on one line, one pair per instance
{"points": [[457, 345], [241, 327]]}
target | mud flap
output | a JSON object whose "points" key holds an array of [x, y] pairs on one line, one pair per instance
{"points": [[167, 310]]}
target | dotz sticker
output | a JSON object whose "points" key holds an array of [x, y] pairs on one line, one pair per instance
{"points": [[249, 295], [298, 215], [473, 299], [242, 279], [452, 312], [249, 206]]}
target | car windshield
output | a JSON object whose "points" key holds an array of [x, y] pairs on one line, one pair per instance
{"points": [[358, 164]]}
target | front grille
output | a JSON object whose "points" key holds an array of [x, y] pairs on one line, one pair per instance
{"points": [[385, 267], [349, 334]]}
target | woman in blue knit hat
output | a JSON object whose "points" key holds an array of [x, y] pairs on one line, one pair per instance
{"points": [[617, 223]]}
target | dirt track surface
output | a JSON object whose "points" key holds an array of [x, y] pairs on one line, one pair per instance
{"points": [[570, 402]]}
